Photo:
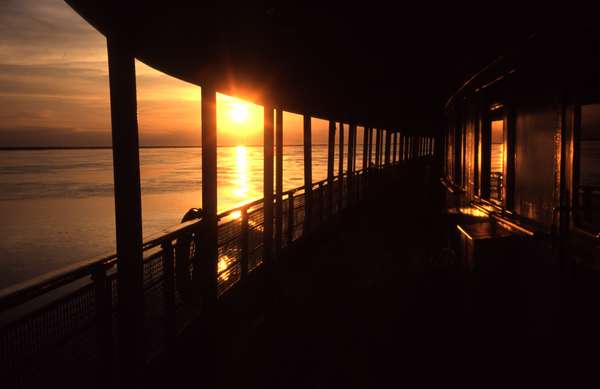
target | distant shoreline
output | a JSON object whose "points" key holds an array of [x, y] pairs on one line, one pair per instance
{"points": [[42, 148]]}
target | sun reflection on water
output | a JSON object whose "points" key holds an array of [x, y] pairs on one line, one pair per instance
{"points": [[222, 265], [242, 183]]}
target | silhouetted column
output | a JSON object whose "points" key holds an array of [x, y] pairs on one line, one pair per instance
{"points": [[350, 159], [278, 179], [128, 207], [268, 182], [365, 148], [388, 138], [370, 156], [395, 151], [341, 165], [307, 172], [205, 266], [330, 164], [354, 148], [377, 146]]}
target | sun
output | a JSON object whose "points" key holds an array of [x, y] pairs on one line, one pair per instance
{"points": [[238, 112]]}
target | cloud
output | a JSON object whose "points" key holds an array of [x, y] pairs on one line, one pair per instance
{"points": [[52, 137]]}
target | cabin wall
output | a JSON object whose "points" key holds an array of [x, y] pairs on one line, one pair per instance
{"points": [[535, 163], [532, 118], [470, 147]]}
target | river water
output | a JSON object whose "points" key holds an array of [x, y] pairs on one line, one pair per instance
{"points": [[57, 206]]}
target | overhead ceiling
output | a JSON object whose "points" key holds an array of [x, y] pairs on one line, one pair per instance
{"points": [[375, 64]]}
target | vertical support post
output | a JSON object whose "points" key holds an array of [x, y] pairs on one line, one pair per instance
{"points": [[268, 183], [128, 206], [366, 153], [377, 146], [354, 148], [350, 167], [365, 163], [278, 180], [205, 273], [370, 156], [341, 168], [307, 174], [330, 172], [388, 138], [205, 268], [395, 151], [354, 180], [351, 128], [401, 147]]}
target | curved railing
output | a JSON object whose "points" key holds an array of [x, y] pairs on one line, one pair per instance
{"points": [[75, 307]]}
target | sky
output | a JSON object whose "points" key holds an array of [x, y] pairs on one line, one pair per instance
{"points": [[54, 89]]}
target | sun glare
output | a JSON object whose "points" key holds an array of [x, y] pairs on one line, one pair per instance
{"points": [[240, 122], [239, 112]]}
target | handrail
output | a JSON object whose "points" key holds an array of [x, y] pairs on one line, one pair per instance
{"points": [[27, 290], [30, 289]]}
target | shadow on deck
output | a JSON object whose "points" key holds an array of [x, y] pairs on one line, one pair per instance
{"points": [[372, 302]]}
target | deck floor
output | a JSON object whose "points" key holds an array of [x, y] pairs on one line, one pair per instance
{"points": [[373, 303]]}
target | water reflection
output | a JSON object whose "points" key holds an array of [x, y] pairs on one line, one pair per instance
{"points": [[240, 176], [242, 185], [65, 196]]}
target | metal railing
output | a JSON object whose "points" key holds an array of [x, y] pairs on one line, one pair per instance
{"points": [[72, 313]]}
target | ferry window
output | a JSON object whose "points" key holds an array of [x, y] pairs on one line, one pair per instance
{"points": [[588, 191], [497, 160]]}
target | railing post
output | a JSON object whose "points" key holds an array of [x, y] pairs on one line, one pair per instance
{"points": [[341, 168], [321, 203], [268, 182], [354, 180], [330, 162], [182, 268], [278, 180], [370, 156], [350, 165], [307, 174], [365, 160], [351, 147], [244, 242], [388, 138], [104, 332], [205, 268], [168, 263], [291, 222], [377, 147], [395, 151], [128, 207]]}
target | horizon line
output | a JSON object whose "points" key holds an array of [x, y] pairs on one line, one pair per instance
{"points": [[33, 148]]}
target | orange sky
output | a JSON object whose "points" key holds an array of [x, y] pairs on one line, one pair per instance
{"points": [[54, 89]]}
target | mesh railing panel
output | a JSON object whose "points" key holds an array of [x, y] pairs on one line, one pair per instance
{"points": [[285, 222], [298, 216], [229, 257], [24, 341], [255, 238]]}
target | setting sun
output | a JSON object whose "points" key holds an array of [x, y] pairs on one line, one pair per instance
{"points": [[239, 112], [240, 122]]}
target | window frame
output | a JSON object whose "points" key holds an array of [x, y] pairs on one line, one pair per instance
{"points": [[576, 173], [495, 112]]}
